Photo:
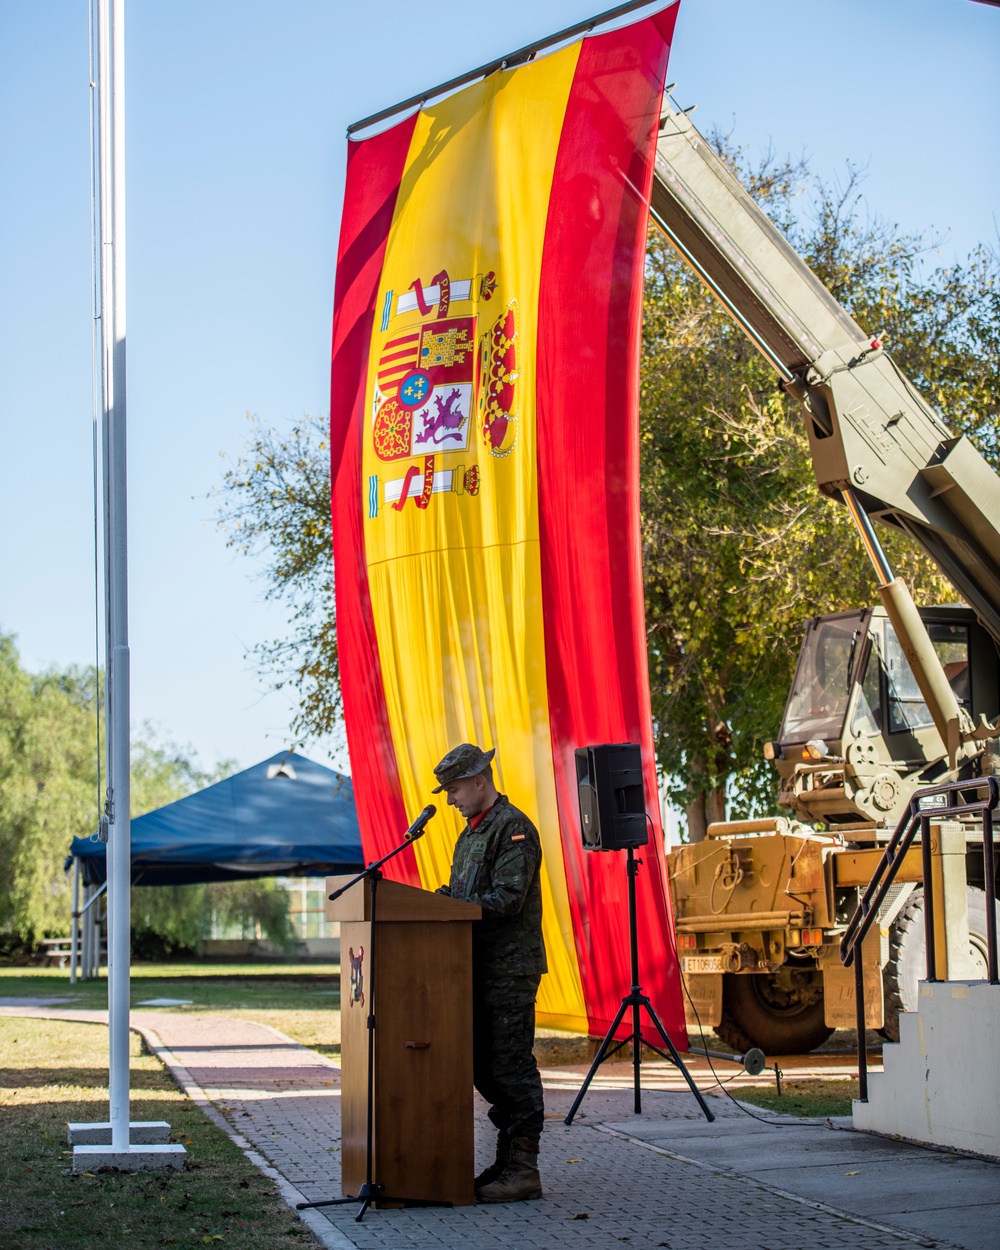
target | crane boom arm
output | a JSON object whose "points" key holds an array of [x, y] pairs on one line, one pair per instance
{"points": [[869, 429]]}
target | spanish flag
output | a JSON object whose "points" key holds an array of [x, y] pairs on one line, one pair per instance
{"points": [[484, 442]]}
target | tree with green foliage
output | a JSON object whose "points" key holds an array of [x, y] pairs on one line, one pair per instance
{"points": [[48, 788], [740, 548], [50, 793], [275, 502]]}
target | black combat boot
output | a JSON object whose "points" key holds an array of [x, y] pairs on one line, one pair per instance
{"points": [[519, 1180], [499, 1163]]}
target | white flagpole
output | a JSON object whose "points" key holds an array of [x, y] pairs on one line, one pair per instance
{"points": [[117, 1144], [112, 105]]}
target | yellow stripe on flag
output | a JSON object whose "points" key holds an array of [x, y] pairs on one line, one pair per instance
{"points": [[451, 529]]}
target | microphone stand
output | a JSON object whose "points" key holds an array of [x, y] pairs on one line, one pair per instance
{"points": [[372, 1190]]}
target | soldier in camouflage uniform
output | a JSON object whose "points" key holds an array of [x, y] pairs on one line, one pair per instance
{"points": [[496, 864]]}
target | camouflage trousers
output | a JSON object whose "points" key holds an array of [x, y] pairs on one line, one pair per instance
{"points": [[504, 1068]]}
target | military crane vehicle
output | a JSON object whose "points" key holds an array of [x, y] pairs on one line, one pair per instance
{"points": [[885, 700]]}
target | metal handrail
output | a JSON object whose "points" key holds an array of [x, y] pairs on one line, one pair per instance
{"points": [[920, 817]]}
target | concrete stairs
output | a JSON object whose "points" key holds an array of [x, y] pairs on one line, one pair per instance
{"points": [[941, 1082]]}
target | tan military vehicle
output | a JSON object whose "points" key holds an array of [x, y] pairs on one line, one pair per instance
{"points": [[760, 905], [886, 700]]}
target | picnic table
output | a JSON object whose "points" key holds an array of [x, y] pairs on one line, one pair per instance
{"points": [[56, 951]]}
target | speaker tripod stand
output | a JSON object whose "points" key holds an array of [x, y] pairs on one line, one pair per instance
{"points": [[636, 1002]]}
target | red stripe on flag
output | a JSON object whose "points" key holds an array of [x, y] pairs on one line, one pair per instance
{"points": [[589, 326], [374, 169], [385, 359]]}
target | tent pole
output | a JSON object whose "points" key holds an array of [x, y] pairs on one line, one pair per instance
{"points": [[85, 938], [91, 937], [74, 933]]}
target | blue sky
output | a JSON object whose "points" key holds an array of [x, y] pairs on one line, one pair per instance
{"points": [[236, 113]]}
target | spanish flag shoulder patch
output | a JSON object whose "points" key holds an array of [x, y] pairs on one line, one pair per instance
{"points": [[517, 837]]}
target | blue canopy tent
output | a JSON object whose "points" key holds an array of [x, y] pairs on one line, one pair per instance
{"points": [[285, 816]]}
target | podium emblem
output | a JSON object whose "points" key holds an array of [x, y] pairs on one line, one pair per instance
{"points": [[357, 976]]}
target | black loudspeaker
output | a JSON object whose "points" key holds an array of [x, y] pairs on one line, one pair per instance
{"points": [[612, 799]]}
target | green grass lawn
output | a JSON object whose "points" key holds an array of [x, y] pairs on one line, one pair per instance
{"points": [[301, 1000], [805, 1098], [52, 1072]]}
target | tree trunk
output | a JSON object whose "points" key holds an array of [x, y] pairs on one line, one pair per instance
{"points": [[697, 819], [702, 811], [715, 805]]}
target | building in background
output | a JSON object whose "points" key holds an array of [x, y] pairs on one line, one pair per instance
{"points": [[319, 938]]}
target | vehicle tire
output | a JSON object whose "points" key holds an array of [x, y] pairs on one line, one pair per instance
{"points": [[907, 962], [758, 1011]]}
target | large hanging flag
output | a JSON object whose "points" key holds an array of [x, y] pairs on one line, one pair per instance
{"points": [[484, 417]]}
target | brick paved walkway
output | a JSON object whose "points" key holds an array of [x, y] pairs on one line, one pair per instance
{"points": [[600, 1189], [665, 1179]]}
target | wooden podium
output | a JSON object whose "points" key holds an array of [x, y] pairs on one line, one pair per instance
{"points": [[423, 1116]]}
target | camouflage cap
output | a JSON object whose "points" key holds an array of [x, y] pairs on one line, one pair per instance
{"points": [[465, 760]]}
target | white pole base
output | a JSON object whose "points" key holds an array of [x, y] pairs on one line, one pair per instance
{"points": [[140, 1133], [135, 1159]]}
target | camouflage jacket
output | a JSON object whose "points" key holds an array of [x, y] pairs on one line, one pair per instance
{"points": [[497, 865]]}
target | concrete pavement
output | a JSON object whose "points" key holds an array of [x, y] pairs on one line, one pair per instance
{"points": [[664, 1179]]}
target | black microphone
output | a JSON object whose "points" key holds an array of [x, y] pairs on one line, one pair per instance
{"points": [[417, 828]]}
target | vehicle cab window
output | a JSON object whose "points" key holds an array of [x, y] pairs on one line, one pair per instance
{"points": [[907, 709], [867, 719], [824, 677]]}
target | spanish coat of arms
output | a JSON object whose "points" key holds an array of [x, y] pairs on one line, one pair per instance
{"points": [[445, 384]]}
